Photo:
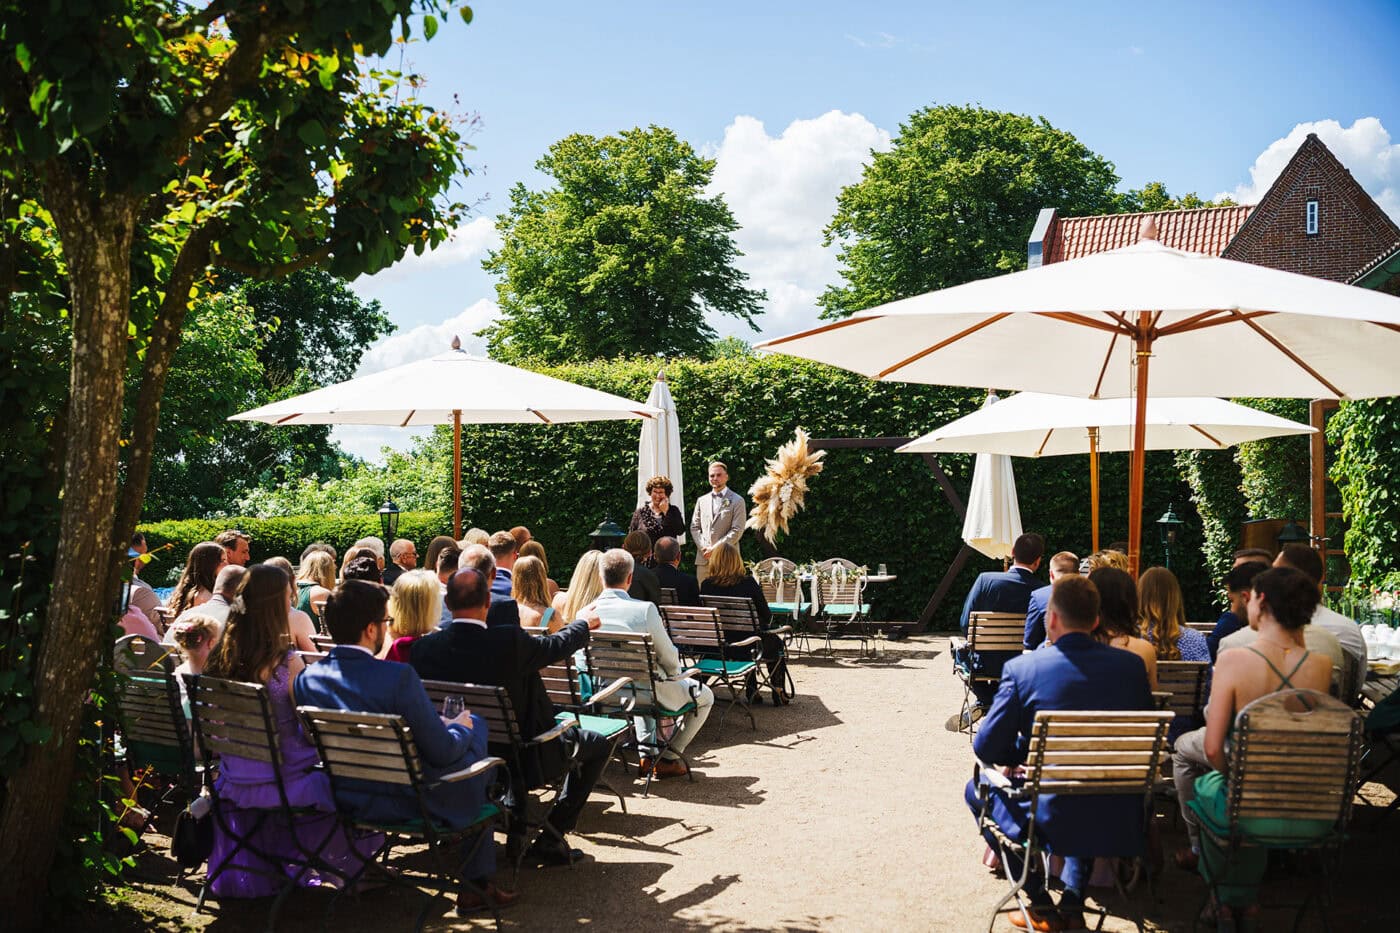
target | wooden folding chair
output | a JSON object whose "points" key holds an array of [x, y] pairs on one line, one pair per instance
{"points": [[1079, 752], [782, 588], [358, 747], [738, 616], [698, 636], [566, 691], [840, 603], [137, 654], [1185, 683], [155, 731], [668, 596], [986, 631]]}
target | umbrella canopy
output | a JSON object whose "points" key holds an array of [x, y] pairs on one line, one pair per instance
{"points": [[659, 450], [993, 521], [1095, 326], [1032, 424], [451, 388]]}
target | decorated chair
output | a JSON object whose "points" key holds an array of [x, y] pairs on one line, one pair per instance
{"points": [[840, 602], [782, 588]]}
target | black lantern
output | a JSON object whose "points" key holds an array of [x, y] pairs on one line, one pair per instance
{"points": [[1293, 533], [1167, 527], [607, 535], [389, 521]]}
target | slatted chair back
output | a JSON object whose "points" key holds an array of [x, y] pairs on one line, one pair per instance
{"points": [[311, 657], [154, 728], [323, 643], [838, 584], [364, 746], [1295, 754], [561, 683], [1205, 628], [695, 630], [232, 718], [1185, 681], [996, 631], [615, 655], [668, 596], [490, 703], [777, 577], [137, 654], [738, 616], [1095, 752]]}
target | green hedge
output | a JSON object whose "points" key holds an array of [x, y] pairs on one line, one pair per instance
{"points": [[278, 537], [1367, 473]]}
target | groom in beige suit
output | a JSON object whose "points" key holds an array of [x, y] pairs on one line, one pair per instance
{"points": [[718, 517]]}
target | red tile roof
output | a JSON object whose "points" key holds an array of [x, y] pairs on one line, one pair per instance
{"points": [[1207, 230]]}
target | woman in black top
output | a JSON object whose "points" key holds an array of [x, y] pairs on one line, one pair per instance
{"points": [[658, 517], [728, 578]]}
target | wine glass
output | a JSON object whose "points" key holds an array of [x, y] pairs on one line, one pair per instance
{"points": [[452, 706]]}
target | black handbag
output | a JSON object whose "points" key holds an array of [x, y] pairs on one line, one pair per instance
{"points": [[192, 841]]}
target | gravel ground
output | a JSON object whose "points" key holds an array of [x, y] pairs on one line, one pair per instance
{"points": [[843, 811]]}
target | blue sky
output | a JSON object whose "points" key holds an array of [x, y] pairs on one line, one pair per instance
{"points": [[790, 98]]}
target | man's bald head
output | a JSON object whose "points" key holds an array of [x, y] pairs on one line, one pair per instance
{"points": [[478, 557], [228, 581], [468, 589]]}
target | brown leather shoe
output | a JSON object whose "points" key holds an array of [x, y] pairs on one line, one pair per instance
{"points": [[1186, 860], [670, 767], [470, 901], [1043, 920]]}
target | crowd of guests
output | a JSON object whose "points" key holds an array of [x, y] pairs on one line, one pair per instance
{"points": [[1093, 639], [482, 609]]}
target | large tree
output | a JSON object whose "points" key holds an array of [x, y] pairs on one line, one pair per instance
{"points": [[953, 200], [625, 254], [159, 138]]}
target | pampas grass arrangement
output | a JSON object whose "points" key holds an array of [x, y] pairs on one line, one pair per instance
{"points": [[779, 493]]}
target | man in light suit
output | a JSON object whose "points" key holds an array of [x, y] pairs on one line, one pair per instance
{"points": [[1063, 564], [1073, 673], [621, 613], [351, 678], [718, 516]]}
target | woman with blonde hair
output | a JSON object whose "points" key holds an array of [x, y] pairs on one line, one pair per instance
{"points": [[1108, 558], [475, 536], [415, 607], [1162, 620], [533, 548], [584, 587], [531, 594], [315, 580], [196, 586], [729, 577]]}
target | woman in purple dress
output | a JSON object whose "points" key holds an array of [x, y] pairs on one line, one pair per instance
{"points": [[255, 649]]}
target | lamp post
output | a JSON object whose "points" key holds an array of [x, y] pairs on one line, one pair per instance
{"points": [[389, 521], [1167, 527], [607, 535]]}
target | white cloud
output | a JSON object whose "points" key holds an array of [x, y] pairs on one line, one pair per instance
{"points": [[782, 190], [469, 242], [1364, 148], [881, 40]]}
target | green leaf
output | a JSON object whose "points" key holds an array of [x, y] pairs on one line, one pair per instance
{"points": [[312, 133], [23, 56], [430, 26], [466, 14]]}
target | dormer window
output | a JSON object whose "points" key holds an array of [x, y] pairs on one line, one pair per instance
{"points": [[1311, 221]]}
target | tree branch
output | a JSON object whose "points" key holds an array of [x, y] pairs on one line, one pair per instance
{"points": [[306, 260]]}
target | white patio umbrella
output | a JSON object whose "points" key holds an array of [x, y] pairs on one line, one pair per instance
{"points": [[450, 388], [1033, 424], [993, 520], [659, 449], [1093, 327]]}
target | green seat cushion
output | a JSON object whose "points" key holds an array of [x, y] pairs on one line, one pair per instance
{"points": [[731, 668], [844, 609], [787, 608], [606, 726]]}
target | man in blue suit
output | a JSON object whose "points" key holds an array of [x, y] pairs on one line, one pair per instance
{"points": [[1061, 565], [504, 610], [352, 678], [1074, 672], [1008, 591], [504, 551]]}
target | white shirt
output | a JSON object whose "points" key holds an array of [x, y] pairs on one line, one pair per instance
{"points": [[466, 621], [358, 648], [216, 608], [1348, 635]]}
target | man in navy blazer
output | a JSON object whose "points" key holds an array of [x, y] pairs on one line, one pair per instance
{"points": [[504, 610], [1073, 672], [351, 678], [668, 572], [1008, 591], [504, 551], [1062, 564]]}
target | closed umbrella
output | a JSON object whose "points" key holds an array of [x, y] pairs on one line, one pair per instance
{"points": [[659, 450], [1098, 326], [453, 388], [993, 521], [1033, 424]]}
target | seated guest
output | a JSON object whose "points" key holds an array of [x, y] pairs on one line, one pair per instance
{"points": [[364, 567], [475, 536], [1280, 606], [657, 518], [134, 622], [1062, 564], [584, 587], [315, 580], [1118, 615], [1308, 562], [360, 553], [299, 624], [621, 613], [226, 587], [196, 635], [1238, 583], [141, 594], [470, 651], [1162, 618], [375, 545], [504, 610], [533, 548], [1252, 555], [1318, 640], [531, 594], [729, 578], [999, 591], [644, 583], [435, 546], [415, 606], [448, 559], [668, 573], [504, 551], [196, 582], [522, 536], [1107, 558], [349, 678], [253, 649], [235, 543], [1073, 673], [403, 557]]}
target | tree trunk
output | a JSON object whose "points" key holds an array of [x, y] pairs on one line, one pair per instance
{"points": [[96, 237]]}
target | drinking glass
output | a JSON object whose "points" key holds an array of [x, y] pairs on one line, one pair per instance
{"points": [[884, 571], [452, 706]]}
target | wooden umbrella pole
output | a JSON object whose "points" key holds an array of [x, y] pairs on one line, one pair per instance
{"points": [[456, 475], [1143, 342], [1094, 484]]}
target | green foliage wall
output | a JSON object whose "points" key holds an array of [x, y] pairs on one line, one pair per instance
{"points": [[1367, 473]]}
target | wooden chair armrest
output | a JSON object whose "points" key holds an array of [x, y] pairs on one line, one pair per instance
{"points": [[689, 672], [780, 630], [993, 775], [550, 735], [751, 640], [608, 691], [476, 770]]}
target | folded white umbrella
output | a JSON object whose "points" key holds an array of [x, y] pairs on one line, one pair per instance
{"points": [[1094, 327], [993, 521], [450, 388], [659, 449], [1033, 424]]}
